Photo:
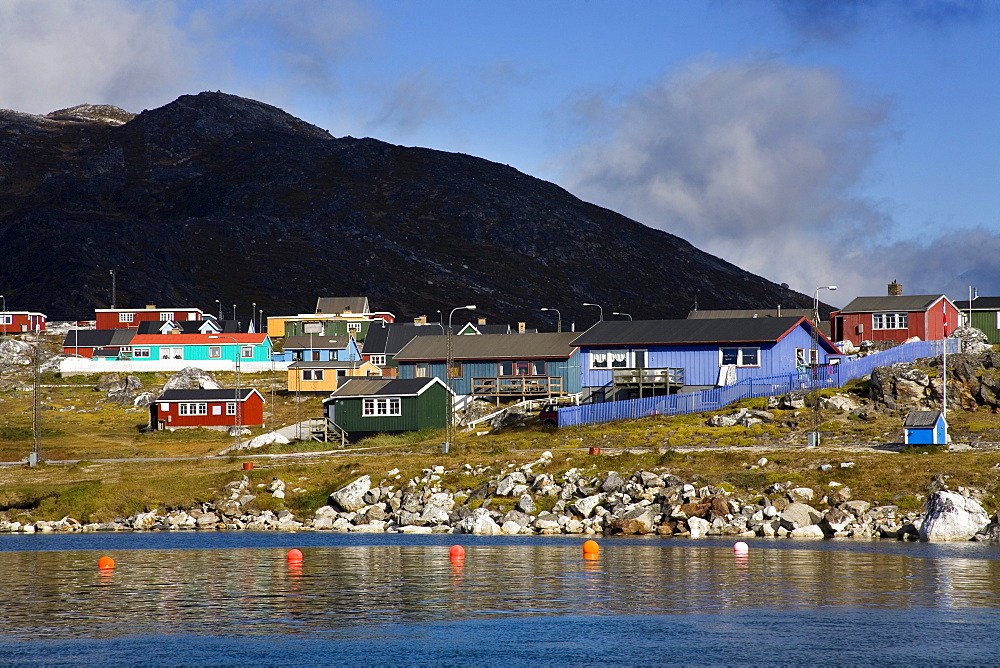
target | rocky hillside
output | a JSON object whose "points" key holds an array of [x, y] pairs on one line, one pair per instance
{"points": [[219, 197]]}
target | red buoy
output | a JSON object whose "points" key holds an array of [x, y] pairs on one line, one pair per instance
{"points": [[105, 563], [294, 556], [456, 552]]}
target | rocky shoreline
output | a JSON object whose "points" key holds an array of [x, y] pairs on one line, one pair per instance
{"points": [[517, 501]]}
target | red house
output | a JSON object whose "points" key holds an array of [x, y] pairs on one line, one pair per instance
{"points": [[207, 408], [129, 318], [895, 317], [18, 322]]}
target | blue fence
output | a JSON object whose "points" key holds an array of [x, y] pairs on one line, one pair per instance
{"points": [[836, 375]]}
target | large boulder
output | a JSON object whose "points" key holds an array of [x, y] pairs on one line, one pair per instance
{"points": [[637, 521], [797, 515], [192, 378], [952, 516], [351, 498]]}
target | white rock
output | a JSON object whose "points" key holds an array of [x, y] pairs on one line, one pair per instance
{"points": [[810, 531], [698, 526], [415, 529], [351, 497], [511, 527], [951, 516]]}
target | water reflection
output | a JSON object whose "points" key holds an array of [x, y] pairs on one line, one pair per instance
{"points": [[256, 592]]}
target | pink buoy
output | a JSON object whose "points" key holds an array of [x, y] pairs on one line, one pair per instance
{"points": [[741, 548]]}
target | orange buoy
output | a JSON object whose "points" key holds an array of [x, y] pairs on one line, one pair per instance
{"points": [[105, 563], [456, 552], [591, 547], [294, 556]]}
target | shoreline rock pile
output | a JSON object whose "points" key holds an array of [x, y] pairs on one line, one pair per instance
{"points": [[518, 501]]}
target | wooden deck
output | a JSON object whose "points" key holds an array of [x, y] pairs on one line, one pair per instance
{"points": [[518, 386]]}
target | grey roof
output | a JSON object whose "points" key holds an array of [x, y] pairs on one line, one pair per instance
{"points": [[98, 338], [889, 303], [326, 365], [372, 387], [342, 305], [205, 395], [389, 339], [751, 313], [316, 342], [491, 346], [980, 304], [921, 419], [660, 332], [189, 326]]}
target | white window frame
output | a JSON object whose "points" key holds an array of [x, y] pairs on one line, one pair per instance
{"points": [[167, 316], [140, 353], [198, 408], [215, 352], [230, 408], [126, 317], [354, 327], [382, 407], [893, 320], [172, 353], [6, 319], [312, 374], [422, 370], [377, 360], [246, 352], [613, 359], [739, 356]]}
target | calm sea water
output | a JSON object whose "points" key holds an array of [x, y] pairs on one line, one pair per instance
{"points": [[226, 598]]}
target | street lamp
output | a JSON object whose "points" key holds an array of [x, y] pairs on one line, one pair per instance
{"points": [[814, 361], [624, 314], [220, 309], [449, 360], [238, 415], [253, 315], [234, 311], [599, 307], [558, 317]]}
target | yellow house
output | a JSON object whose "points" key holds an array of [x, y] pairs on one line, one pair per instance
{"points": [[325, 376]]}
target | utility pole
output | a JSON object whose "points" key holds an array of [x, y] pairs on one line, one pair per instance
{"points": [[113, 291]]}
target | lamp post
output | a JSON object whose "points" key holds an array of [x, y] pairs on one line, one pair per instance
{"points": [[449, 360], [234, 311], [814, 360], [558, 317], [260, 320], [220, 309], [113, 295], [624, 314], [253, 315], [599, 307], [238, 413], [5, 325]]}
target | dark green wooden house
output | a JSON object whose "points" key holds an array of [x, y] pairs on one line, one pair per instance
{"points": [[985, 314], [367, 406]]}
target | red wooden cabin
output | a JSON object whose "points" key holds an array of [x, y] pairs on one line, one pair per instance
{"points": [[19, 322], [895, 317], [207, 408], [129, 318]]}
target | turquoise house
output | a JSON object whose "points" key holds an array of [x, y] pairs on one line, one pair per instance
{"points": [[200, 347]]}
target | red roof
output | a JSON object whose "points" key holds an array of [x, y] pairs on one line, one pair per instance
{"points": [[196, 339]]}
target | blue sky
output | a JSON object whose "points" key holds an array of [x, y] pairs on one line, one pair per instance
{"points": [[813, 142]]}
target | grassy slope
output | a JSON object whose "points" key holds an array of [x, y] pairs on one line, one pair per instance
{"points": [[682, 445]]}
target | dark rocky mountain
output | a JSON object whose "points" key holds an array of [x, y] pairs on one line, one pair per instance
{"points": [[219, 197]]}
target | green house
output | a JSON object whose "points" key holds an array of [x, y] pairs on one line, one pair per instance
{"points": [[985, 314], [367, 406]]}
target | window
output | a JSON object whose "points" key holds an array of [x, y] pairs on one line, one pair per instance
{"points": [[231, 408], [140, 353], [522, 368], [6, 319], [214, 352], [421, 370], [126, 317], [377, 360], [167, 315], [538, 367], [890, 320], [740, 356], [246, 352], [619, 359], [314, 356], [354, 327], [639, 359], [455, 370], [505, 368], [192, 409], [609, 359], [216, 410], [171, 353], [599, 360], [312, 374], [388, 407]]}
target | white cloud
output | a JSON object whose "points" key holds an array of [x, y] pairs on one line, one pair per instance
{"points": [[55, 54], [759, 163]]}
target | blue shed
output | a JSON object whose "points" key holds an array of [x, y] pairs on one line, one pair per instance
{"points": [[627, 359], [925, 428], [315, 348]]}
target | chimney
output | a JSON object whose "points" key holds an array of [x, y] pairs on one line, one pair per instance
{"points": [[895, 289], [175, 331], [420, 320], [481, 321], [520, 328], [150, 306]]}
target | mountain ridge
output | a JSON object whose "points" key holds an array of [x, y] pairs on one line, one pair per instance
{"points": [[214, 196]]}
